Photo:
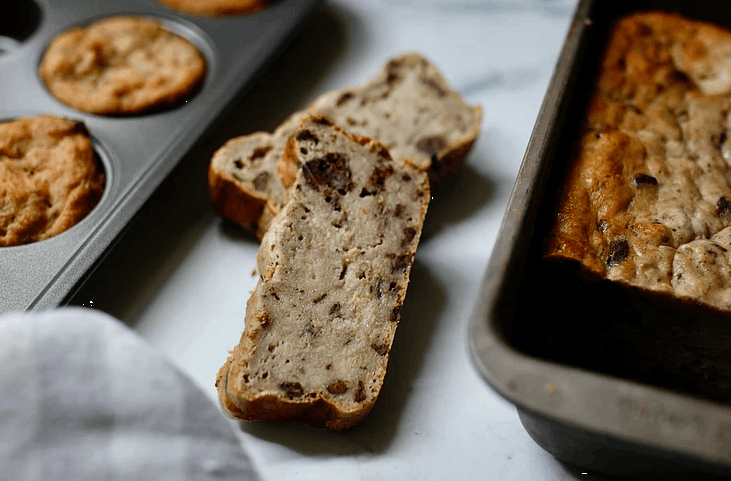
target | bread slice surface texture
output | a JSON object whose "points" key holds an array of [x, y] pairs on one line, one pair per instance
{"points": [[408, 106], [334, 268]]}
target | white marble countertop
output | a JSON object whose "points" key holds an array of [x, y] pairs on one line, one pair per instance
{"points": [[181, 277]]}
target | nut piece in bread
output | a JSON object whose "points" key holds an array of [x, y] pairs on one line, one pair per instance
{"points": [[647, 201], [50, 178], [334, 268], [408, 107]]}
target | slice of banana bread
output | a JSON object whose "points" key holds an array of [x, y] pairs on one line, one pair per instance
{"points": [[408, 107], [334, 267]]}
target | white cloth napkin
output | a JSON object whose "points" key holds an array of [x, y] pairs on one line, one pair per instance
{"points": [[84, 398]]}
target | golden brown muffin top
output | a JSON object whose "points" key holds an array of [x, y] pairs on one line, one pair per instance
{"points": [[121, 65], [50, 178]]}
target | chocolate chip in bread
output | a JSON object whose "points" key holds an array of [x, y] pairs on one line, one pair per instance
{"points": [[334, 268]]}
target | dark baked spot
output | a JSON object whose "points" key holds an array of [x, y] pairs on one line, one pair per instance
{"points": [[365, 192], [723, 209], [319, 298], [360, 393], [406, 178], [431, 145], [344, 98], [381, 349], [322, 121], [409, 232], [305, 135], [396, 314], [271, 348], [380, 174], [261, 181], [618, 251], [678, 77], [398, 210], [246, 378], [260, 152], [402, 263], [265, 375], [342, 272], [644, 30], [429, 82], [644, 180], [331, 171], [383, 152], [719, 140], [335, 308], [292, 389], [338, 387], [303, 150], [274, 294], [328, 367], [238, 164], [79, 128]]}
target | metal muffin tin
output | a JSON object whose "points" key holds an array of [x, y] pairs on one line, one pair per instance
{"points": [[603, 378], [137, 151]]}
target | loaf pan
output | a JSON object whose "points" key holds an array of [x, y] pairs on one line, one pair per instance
{"points": [[603, 378], [137, 151]]}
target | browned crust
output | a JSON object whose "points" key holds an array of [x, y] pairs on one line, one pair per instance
{"points": [[232, 202], [270, 407], [451, 159], [212, 8]]}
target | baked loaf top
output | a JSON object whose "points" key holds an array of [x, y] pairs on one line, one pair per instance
{"points": [[50, 178], [216, 7], [408, 107], [647, 201], [334, 267], [121, 65]]}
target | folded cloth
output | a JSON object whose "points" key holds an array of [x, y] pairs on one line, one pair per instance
{"points": [[84, 398]]}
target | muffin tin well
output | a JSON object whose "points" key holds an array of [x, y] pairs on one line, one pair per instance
{"points": [[137, 151]]}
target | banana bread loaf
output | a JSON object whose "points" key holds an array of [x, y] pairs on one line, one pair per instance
{"points": [[647, 200]]}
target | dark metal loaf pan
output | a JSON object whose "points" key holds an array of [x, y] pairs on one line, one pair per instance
{"points": [[138, 151], [604, 378]]}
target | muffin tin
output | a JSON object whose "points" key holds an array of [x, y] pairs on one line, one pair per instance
{"points": [[604, 378], [137, 151]]}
